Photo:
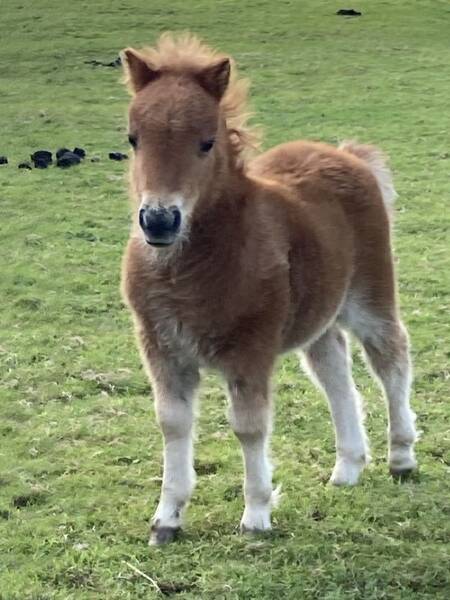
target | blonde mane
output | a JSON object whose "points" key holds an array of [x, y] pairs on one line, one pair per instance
{"points": [[185, 53]]}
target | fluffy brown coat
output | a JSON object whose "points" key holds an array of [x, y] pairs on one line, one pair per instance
{"points": [[277, 252]]}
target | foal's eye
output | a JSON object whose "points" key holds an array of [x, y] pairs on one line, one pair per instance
{"points": [[206, 146], [133, 140]]}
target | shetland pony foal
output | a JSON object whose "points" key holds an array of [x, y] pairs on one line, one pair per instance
{"points": [[232, 262]]}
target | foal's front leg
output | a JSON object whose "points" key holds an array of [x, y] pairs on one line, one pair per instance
{"points": [[174, 386], [250, 418]]}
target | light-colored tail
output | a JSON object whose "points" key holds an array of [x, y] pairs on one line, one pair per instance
{"points": [[377, 163]]}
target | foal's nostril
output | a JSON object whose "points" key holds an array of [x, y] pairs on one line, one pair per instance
{"points": [[160, 222], [142, 222], [176, 217]]}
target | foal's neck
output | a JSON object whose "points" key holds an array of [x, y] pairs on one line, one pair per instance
{"points": [[227, 186]]}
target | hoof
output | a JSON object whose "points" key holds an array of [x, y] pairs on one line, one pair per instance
{"points": [[346, 472], [256, 519], [402, 473], [253, 530], [402, 462], [162, 535]]}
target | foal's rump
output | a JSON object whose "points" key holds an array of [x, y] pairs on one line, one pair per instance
{"points": [[376, 161]]}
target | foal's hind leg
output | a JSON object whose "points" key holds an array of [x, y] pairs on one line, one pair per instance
{"points": [[328, 361], [385, 342]]}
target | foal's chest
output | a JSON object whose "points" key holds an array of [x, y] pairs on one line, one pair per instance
{"points": [[189, 319]]}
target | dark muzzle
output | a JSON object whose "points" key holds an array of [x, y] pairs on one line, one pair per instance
{"points": [[160, 225]]}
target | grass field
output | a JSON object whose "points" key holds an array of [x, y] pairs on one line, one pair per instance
{"points": [[80, 462]]}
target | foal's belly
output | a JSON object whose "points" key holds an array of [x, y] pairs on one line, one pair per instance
{"points": [[317, 296], [306, 327]]}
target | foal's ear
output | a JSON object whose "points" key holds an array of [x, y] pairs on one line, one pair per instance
{"points": [[138, 73], [216, 77]]}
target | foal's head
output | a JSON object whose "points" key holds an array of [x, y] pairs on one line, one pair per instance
{"points": [[178, 131]]}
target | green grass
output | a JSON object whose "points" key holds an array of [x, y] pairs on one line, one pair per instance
{"points": [[80, 453]]}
